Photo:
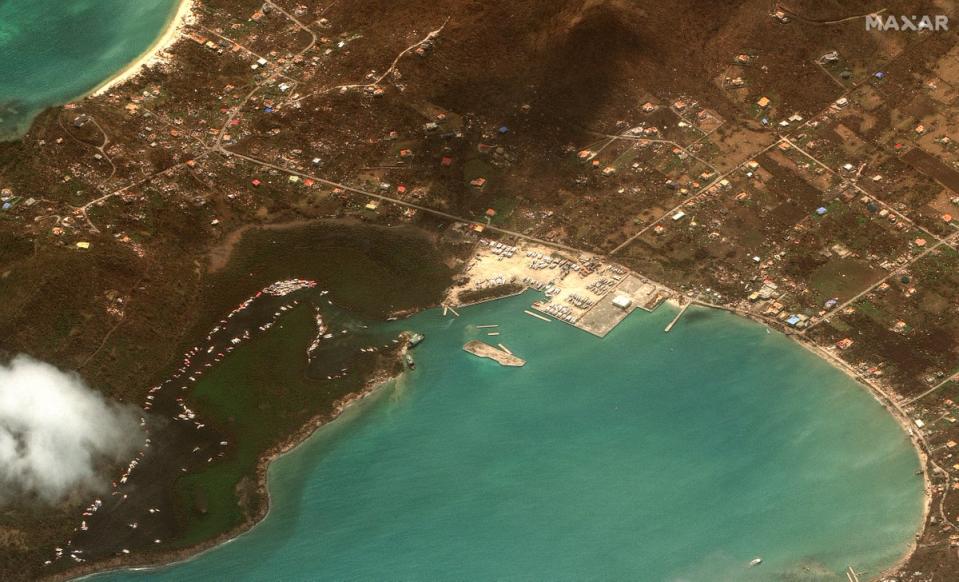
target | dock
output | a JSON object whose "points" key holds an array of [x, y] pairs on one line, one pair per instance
{"points": [[605, 315], [536, 315], [678, 315], [851, 575], [486, 326]]}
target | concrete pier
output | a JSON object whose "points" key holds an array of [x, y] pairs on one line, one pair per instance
{"points": [[536, 315], [678, 315]]}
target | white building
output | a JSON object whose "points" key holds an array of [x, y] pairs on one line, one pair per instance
{"points": [[622, 301]]}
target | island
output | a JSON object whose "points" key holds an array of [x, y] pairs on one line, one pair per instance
{"points": [[484, 350]]}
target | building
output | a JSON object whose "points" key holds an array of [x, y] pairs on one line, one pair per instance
{"points": [[622, 301]]}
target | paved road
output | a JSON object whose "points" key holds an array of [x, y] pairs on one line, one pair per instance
{"points": [[695, 195], [859, 189], [399, 202], [838, 309]]}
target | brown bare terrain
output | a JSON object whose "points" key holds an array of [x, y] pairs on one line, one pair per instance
{"points": [[711, 146]]}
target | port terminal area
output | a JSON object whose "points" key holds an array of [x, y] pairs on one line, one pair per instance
{"points": [[582, 290]]}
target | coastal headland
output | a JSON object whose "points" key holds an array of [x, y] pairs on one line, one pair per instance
{"points": [[240, 413]]}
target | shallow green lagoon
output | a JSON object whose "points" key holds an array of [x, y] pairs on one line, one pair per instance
{"points": [[52, 51], [642, 456]]}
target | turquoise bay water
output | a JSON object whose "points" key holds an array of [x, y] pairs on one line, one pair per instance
{"points": [[52, 51], [642, 456]]}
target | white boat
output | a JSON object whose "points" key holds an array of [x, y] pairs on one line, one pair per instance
{"points": [[755, 561]]}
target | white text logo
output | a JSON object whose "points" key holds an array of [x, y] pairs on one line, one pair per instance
{"points": [[907, 23]]}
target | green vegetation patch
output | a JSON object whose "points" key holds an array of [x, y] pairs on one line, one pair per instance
{"points": [[259, 395], [842, 278], [371, 271]]}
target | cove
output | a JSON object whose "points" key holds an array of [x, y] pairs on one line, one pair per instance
{"points": [[641, 456], [53, 51]]}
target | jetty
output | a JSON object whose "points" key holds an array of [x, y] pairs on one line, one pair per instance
{"points": [[678, 315], [851, 575], [536, 315], [484, 350]]}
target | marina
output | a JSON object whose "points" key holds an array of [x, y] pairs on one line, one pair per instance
{"points": [[237, 328], [537, 316], [583, 291]]}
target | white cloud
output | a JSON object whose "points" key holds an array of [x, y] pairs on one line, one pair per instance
{"points": [[56, 434]]}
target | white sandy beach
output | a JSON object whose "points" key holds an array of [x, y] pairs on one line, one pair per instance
{"points": [[155, 54]]}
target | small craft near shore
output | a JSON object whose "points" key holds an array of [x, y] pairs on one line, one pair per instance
{"points": [[484, 350]]}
